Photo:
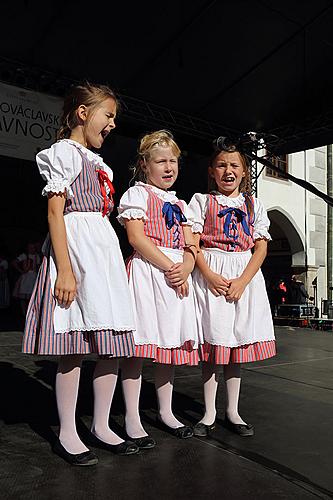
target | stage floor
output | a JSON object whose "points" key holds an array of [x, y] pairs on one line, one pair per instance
{"points": [[288, 398]]}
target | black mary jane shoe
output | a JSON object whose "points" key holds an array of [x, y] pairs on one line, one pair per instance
{"points": [[144, 443], [183, 432], [203, 430], [124, 448], [240, 429], [81, 459]]}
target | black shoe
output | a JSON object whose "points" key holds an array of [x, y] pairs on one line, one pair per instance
{"points": [[124, 448], [240, 429], [203, 430], [144, 443], [183, 432], [83, 459]]}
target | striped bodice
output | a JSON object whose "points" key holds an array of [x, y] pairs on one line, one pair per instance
{"points": [[227, 227], [87, 191], [156, 227]]}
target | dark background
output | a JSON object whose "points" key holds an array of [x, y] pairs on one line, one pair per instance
{"points": [[199, 68]]}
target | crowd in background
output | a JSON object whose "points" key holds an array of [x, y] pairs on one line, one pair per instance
{"points": [[290, 291], [18, 273]]}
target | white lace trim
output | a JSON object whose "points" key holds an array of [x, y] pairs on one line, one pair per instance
{"points": [[197, 227], [261, 234], [242, 344], [194, 341], [164, 195], [58, 186], [94, 158], [79, 329], [227, 201], [132, 213]]}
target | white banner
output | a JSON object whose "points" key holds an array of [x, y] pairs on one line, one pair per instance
{"points": [[28, 121]]}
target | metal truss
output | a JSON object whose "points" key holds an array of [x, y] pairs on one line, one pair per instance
{"points": [[144, 112], [254, 176], [312, 127], [133, 109]]}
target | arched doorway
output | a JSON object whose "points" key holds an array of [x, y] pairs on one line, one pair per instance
{"points": [[286, 254]]}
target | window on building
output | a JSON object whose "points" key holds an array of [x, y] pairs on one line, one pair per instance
{"points": [[282, 163]]}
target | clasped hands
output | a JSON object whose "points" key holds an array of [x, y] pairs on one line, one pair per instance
{"points": [[177, 276], [232, 289]]}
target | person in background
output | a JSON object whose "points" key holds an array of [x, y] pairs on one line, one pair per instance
{"points": [[27, 264], [282, 288], [297, 293]]}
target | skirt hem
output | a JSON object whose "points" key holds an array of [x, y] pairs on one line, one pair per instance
{"points": [[249, 353], [101, 342], [182, 355]]}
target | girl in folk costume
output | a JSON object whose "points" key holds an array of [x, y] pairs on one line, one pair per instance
{"points": [[232, 227], [158, 229], [81, 302]]}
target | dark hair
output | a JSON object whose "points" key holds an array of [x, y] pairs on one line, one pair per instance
{"points": [[90, 95], [221, 145]]}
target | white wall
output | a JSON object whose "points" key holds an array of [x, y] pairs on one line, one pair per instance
{"points": [[306, 212]]}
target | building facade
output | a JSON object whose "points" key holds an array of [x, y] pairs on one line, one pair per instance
{"points": [[299, 222]]}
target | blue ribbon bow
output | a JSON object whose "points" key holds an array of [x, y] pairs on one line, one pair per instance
{"points": [[240, 216], [172, 212]]}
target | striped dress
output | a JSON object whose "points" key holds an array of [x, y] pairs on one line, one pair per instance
{"points": [[100, 320], [240, 331], [167, 329]]}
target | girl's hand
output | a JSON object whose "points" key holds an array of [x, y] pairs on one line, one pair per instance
{"points": [[178, 274], [236, 289], [182, 290], [65, 288], [217, 284]]}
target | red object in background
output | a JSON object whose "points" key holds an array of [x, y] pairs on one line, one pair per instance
{"points": [[283, 288]]}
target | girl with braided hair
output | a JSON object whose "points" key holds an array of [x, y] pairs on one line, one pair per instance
{"points": [[231, 233]]}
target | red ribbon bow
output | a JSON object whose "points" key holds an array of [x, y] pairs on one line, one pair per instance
{"points": [[104, 178]]}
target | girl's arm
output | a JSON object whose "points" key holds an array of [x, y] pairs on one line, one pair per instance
{"points": [[181, 271], [201, 262], [238, 285], [144, 246], [190, 250], [65, 285], [217, 284]]}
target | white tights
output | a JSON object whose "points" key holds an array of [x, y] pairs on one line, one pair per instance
{"points": [[131, 381], [67, 385], [232, 378]]}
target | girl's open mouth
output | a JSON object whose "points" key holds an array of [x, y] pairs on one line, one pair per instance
{"points": [[228, 180]]}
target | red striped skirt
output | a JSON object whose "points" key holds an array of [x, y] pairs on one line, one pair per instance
{"points": [[40, 337], [220, 355], [184, 355]]}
